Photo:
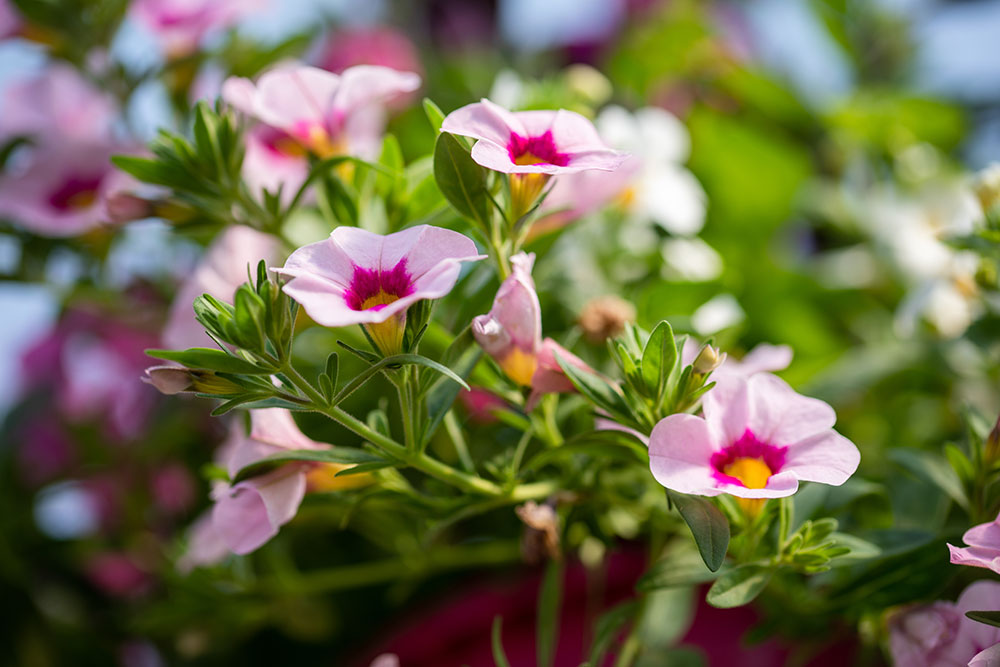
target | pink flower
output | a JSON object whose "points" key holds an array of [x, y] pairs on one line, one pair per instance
{"points": [[511, 332], [10, 20], [480, 404], [274, 160], [983, 549], [204, 545], [57, 105], [117, 574], [762, 358], [61, 189], [549, 377], [181, 24], [225, 266], [531, 142], [329, 114], [357, 277], [249, 513], [378, 45], [757, 439], [989, 657], [173, 488], [940, 635]]}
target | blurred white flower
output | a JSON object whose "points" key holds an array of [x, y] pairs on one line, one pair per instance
{"points": [[718, 313], [690, 259]]}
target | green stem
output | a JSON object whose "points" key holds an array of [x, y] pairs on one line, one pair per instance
{"points": [[454, 431]]}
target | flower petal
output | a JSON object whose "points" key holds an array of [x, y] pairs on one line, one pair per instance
{"points": [[485, 121], [680, 451], [250, 513], [365, 85], [780, 416], [827, 457], [289, 96], [727, 408], [277, 427]]}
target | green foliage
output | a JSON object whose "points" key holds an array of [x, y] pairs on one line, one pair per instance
{"points": [[709, 527]]}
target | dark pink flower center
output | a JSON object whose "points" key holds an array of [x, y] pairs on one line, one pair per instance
{"points": [[374, 289], [76, 192], [535, 150], [747, 457]]}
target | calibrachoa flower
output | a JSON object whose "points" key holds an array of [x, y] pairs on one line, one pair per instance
{"points": [[376, 45], [57, 105], [940, 635], [511, 333], [233, 256], [531, 146], [983, 549], [358, 277], [249, 513], [328, 114], [757, 439], [181, 24]]}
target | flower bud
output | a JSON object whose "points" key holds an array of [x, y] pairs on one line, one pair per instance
{"points": [[169, 380], [708, 359], [605, 317]]}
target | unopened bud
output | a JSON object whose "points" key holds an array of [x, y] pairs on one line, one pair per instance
{"points": [[169, 380], [708, 359], [541, 537], [605, 317], [987, 187], [124, 207]]}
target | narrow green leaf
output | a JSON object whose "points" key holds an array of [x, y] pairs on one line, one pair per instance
{"points": [[857, 548], [366, 467], [607, 626], [680, 568], [708, 526], [658, 359], [738, 586], [434, 114], [987, 617], [499, 657], [332, 455], [394, 361], [461, 180], [209, 359], [596, 388], [549, 601]]}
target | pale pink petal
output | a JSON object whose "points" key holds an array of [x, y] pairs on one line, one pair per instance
{"points": [[486, 121], [549, 377], [680, 451], [573, 133], [516, 312], [576, 195], [762, 358], [984, 547], [922, 636], [290, 97], [989, 657], [985, 535], [727, 408], [779, 415], [277, 427], [204, 545], [364, 85], [239, 93], [973, 636], [606, 424], [249, 514], [827, 457], [496, 157], [425, 248], [267, 169], [386, 660], [57, 105]]}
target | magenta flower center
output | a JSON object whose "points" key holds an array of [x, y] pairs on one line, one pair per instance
{"points": [[748, 462], [76, 192], [535, 150], [374, 289]]}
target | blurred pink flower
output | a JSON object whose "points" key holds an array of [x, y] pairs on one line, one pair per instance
{"points": [[357, 277], [231, 257], [549, 377], [44, 450], [377, 45], [204, 547], [989, 657], [55, 106], [273, 161], [480, 403], [983, 549], [511, 332], [758, 439], [328, 114], [117, 574], [60, 189], [940, 635], [173, 488], [180, 25], [249, 513], [10, 20]]}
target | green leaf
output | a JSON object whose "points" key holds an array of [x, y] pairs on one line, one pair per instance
{"points": [[462, 355], [602, 445], [461, 180], [708, 526], [932, 469], [738, 586], [366, 467], [607, 626], [350, 455], [549, 600], [207, 358], [857, 548], [987, 617], [596, 388], [434, 114], [659, 357], [960, 463], [499, 657], [679, 568]]}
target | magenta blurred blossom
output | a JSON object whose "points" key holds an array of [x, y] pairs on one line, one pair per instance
{"points": [[225, 266], [757, 439], [511, 332], [989, 657], [10, 19], [940, 635], [55, 106], [480, 403], [358, 277], [44, 450], [249, 513], [531, 142], [549, 377], [983, 548], [61, 190], [180, 25], [117, 574], [376, 45], [173, 488], [329, 114]]}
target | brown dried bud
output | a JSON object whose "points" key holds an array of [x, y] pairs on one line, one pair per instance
{"points": [[605, 317], [540, 540]]}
